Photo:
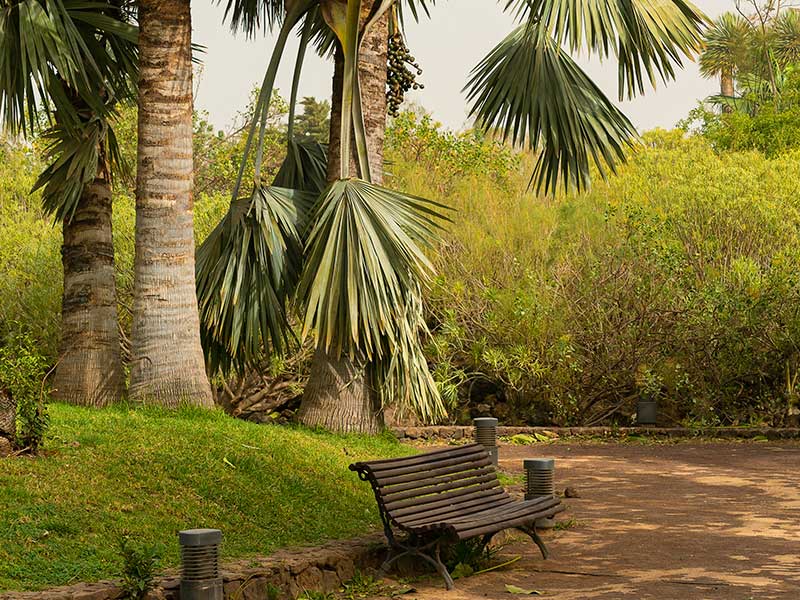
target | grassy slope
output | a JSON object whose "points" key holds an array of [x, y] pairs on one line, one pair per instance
{"points": [[151, 474]]}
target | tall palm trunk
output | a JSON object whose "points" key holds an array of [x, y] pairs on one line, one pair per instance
{"points": [[726, 88], [167, 366], [89, 370], [338, 396]]}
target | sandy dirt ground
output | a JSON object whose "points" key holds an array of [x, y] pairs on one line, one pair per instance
{"points": [[670, 521]]}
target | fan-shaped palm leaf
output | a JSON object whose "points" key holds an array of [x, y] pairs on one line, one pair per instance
{"points": [[246, 270], [648, 37], [787, 37], [77, 156], [364, 258], [532, 91], [726, 45], [305, 167], [47, 46]]}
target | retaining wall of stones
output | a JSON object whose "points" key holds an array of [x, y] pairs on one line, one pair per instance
{"points": [[286, 573], [455, 433]]}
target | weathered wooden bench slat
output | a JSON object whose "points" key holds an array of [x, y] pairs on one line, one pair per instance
{"points": [[417, 459], [389, 491], [471, 479], [447, 461], [421, 476], [447, 495], [443, 514]]}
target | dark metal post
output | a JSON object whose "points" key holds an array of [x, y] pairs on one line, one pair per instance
{"points": [[539, 481], [200, 578], [486, 434]]}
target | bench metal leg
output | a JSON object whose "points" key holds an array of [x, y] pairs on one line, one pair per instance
{"points": [[411, 550], [531, 531]]}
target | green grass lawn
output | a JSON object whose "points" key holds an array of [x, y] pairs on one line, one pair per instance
{"points": [[151, 474]]}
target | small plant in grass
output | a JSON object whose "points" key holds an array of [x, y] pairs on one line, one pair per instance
{"points": [[361, 586], [468, 557], [566, 524], [140, 563], [22, 372]]}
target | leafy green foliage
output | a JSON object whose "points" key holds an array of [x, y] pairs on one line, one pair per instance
{"points": [[22, 372], [772, 128], [140, 564], [682, 265]]}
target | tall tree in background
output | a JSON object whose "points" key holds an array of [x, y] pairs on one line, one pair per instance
{"points": [[360, 286], [75, 61], [726, 46], [752, 54], [167, 364], [315, 120]]}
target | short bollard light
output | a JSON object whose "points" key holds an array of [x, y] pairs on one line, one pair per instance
{"points": [[539, 481], [200, 579], [486, 435]]}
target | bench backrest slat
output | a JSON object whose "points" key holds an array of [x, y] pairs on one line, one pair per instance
{"points": [[449, 482]]}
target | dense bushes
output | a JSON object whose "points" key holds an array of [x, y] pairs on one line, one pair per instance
{"points": [[678, 276]]}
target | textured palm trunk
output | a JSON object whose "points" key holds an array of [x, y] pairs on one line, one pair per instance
{"points": [[338, 396], [89, 370], [167, 365], [726, 88]]}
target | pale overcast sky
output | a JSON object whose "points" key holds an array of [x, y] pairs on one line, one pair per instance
{"points": [[447, 46]]}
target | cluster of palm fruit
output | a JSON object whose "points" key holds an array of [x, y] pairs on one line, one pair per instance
{"points": [[402, 74]]}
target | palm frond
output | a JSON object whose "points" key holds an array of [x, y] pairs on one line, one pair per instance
{"points": [[787, 37], [403, 379], [47, 44], [532, 91], [726, 45], [364, 254], [76, 157], [648, 37], [305, 167], [252, 16], [246, 270]]}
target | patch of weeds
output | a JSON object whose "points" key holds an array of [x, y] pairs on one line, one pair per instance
{"points": [[507, 479], [566, 524], [140, 563], [361, 586]]}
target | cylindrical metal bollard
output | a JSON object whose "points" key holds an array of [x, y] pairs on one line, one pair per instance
{"points": [[539, 481], [200, 579], [486, 435]]}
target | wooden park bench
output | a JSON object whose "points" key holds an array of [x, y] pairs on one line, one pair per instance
{"points": [[446, 496]]}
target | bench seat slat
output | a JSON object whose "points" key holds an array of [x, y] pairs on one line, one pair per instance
{"points": [[413, 510], [494, 527], [444, 514]]}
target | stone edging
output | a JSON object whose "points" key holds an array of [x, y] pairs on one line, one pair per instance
{"points": [[289, 572], [460, 432]]}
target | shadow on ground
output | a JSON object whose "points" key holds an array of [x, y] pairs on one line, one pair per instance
{"points": [[680, 521]]}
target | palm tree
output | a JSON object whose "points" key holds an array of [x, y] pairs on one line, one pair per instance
{"points": [[75, 61], [360, 285], [167, 365], [726, 47]]}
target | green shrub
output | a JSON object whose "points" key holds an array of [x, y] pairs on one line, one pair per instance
{"points": [[22, 372], [140, 564], [681, 267]]}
